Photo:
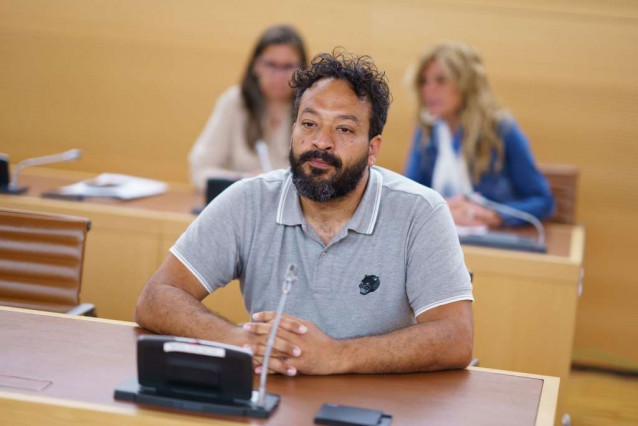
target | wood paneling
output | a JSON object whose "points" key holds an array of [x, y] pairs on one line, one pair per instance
{"points": [[598, 399], [133, 82]]}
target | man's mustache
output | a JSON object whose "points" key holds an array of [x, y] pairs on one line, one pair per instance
{"points": [[329, 158]]}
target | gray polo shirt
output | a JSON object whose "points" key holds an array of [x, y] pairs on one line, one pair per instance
{"points": [[397, 257]]}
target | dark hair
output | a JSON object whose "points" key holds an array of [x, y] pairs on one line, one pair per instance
{"points": [[250, 92], [367, 82]]}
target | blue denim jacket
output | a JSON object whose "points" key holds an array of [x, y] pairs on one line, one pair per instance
{"points": [[518, 184]]}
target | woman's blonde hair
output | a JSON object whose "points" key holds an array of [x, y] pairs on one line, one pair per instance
{"points": [[480, 112]]}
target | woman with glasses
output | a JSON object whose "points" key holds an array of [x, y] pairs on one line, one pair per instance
{"points": [[466, 143], [249, 130]]}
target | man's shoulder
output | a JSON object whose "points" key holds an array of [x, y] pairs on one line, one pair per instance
{"points": [[398, 188], [266, 185]]}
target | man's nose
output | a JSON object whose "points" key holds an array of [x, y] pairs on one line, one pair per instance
{"points": [[324, 141]]}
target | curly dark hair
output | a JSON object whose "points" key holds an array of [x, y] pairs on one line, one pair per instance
{"points": [[367, 82]]}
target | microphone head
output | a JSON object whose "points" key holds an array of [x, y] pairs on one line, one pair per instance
{"points": [[73, 154], [289, 279]]}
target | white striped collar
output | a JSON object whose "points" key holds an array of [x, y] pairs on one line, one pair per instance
{"points": [[364, 219], [289, 209]]}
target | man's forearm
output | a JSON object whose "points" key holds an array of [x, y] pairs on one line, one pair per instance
{"points": [[435, 345], [170, 310]]}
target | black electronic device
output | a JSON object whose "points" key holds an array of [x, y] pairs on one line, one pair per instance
{"points": [[184, 367], [343, 415], [4, 171], [5, 178], [504, 240], [195, 375], [214, 187]]}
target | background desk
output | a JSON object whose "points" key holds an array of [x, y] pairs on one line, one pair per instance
{"points": [[57, 369], [525, 305], [524, 314]]}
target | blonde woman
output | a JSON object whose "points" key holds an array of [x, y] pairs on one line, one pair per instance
{"points": [[465, 142]]}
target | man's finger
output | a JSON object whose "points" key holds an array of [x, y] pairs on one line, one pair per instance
{"points": [[286, 343], [260, 351], [278, 366], [258, 362], [288, 322], [259, 328], [268, 316], [293, 325], [281, 348], [263, 316]]}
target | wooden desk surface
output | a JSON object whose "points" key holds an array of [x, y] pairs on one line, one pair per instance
{"points": [[180, 198], [63, 369]]}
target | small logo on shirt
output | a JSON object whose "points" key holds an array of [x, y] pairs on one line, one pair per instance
{"points": [[368, 284]]}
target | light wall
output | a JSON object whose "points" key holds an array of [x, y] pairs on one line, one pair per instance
{"points": [[132, 82]]}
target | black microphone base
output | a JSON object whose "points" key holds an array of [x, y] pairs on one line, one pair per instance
{"points": [[504, 241], [15, 191], [132, 391]]}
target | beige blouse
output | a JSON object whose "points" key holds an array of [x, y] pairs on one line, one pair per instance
{"points": [[221, 150]]}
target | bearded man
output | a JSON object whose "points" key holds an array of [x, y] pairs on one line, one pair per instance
{"points": [[382, 285]]}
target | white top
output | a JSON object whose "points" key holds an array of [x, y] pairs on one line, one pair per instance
{"points": [[222, 150], [450, 176]]}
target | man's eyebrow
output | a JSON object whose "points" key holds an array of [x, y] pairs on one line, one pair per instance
{"points": [[349, 117], [308, 110], [340, 117]]}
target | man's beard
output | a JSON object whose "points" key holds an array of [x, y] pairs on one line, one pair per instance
{"points": [[315, 187]]}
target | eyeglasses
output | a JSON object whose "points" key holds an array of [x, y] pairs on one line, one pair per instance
{"points": [[273, 67]]}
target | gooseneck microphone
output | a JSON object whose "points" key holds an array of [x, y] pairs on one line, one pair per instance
{"points": [[14, 188], [506, 240], [289, 279], [519, 214]]}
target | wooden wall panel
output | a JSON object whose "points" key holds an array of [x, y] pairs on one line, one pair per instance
{"points": [[132, 82]]}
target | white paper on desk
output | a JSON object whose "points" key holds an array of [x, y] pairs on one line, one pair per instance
{"points": [[115, 185], [464, 231]]}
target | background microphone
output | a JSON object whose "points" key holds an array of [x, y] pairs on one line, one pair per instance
{"points": [[289, 279], [506, 240], [264, 158], [13, 188], [519, 214]]}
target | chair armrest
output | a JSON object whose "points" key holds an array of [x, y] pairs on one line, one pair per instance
{"points": [[84, 309]]}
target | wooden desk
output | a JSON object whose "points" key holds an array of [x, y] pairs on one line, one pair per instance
{"points": [[58, 369], [524, 314], [525, 305]]}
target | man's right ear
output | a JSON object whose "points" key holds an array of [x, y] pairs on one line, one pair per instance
{"points": [[373, 152]]}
